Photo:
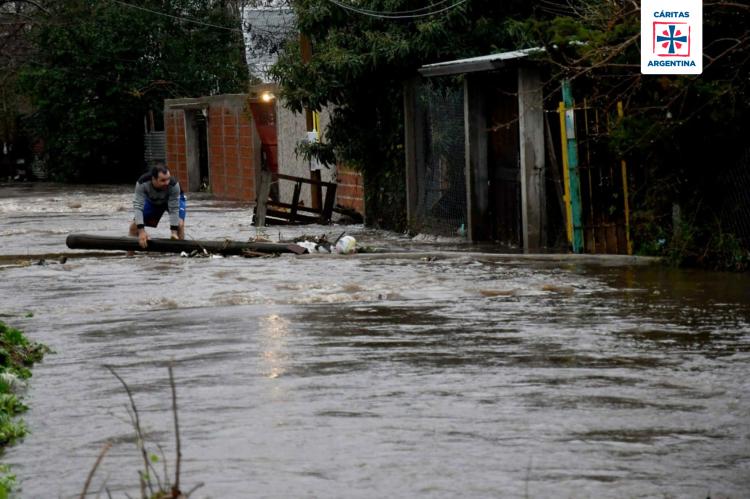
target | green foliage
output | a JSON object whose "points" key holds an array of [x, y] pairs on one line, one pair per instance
{"points": [[10, 404], [323, 152], [10, 430], [358, 67], [690, 243], [17, 355], [101, 67], [707, 246], [681, 135], [7, 481]]}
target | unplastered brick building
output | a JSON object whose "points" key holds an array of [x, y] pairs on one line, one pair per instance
{"points": [[221, 143], [213, 145]]}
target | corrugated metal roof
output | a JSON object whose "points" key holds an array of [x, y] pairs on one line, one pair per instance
{"points": [[474, 64]]}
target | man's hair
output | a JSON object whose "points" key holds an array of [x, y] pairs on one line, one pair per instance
{"points": [[156, 170]]}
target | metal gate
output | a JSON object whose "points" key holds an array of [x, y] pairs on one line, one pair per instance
{"points": [[441, 203], [596, 180]]}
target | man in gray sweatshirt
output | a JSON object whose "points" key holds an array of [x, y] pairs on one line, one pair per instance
{"points": [[155, 193]]}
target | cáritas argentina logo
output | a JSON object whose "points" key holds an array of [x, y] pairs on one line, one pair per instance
{"points": [[671, 37]]}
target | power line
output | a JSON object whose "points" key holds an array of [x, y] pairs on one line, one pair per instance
{"points": [[398, 14], [178, 18], [191, 20], [427, 8]]}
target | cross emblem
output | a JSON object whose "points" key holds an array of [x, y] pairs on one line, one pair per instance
{"points": [[672, 38]]}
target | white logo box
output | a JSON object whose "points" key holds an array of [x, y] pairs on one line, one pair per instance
{"points": [[671, 37]]}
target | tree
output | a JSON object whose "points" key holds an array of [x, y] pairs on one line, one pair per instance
{"points": [[358, 67], [16, 16], [679, 133], [100, 66], [686, 135]]}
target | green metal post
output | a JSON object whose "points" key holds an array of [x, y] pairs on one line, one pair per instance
{"points": [[575, 181]]}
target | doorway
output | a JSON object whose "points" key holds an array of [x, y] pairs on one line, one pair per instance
{"points": [[503, 161], [197, 150]]}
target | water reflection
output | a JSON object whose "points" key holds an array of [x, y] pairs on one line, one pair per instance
{"points": [[274, 331]]}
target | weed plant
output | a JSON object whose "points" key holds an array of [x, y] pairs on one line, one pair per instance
{"points": [[17, 356]]}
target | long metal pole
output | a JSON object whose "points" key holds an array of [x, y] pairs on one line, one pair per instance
{"points": [[566, 174], [573, 175]]}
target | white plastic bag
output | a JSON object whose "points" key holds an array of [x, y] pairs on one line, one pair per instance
{"points": [[346, 245]]}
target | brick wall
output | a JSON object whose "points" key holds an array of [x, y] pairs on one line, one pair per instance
{"points": [[174, 126], [350, 191], [230, 153]]}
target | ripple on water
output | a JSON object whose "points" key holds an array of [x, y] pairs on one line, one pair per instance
{"points": [[375, 377]]}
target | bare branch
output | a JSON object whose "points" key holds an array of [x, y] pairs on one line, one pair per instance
{"points": [[104, 450], [137, 424], [176, 487], [734, 5], [30, 2], [197, 486]]}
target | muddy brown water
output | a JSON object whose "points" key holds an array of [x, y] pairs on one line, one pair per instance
{"points": [[460, 376]]}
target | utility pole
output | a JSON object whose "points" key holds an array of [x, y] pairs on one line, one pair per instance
{"points": [[570, 158]]}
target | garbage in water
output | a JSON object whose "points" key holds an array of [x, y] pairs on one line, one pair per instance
{"points": [[346, 245], [342, 245]]}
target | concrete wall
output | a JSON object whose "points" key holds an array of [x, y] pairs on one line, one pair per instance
{"points": [[291, 129]]}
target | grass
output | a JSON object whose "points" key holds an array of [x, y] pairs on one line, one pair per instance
{"points": [[17, 356]]}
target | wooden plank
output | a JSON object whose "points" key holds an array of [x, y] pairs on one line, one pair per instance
{"points": [[288, 206], [531, 136], [625, 195], [264, 190], [227, 247], [325, 217], [475, 128], [298, 218], [554, 167], [282, 176], [611, 235], [316, 191], [295, 201]]}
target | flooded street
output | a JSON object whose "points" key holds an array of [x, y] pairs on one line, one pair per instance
{"points": [[464, 375]]}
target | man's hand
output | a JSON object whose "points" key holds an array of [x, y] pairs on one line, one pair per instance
{"points": [[174, 235], [142, 238]]}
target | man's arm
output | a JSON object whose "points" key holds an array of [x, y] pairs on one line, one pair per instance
{"points": [[139, 201], [174, 207]]}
